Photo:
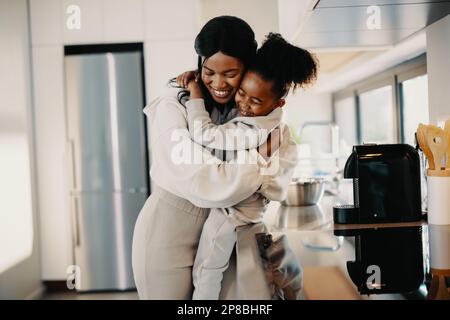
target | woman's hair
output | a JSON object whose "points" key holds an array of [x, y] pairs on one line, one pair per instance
{"points": [[286, 65], [229, 35]]}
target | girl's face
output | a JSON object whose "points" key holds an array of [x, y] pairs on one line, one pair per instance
{"points": [[222, 75], [255, 96]]}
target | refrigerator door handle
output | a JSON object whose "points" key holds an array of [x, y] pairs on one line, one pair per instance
{"points": [[76, 224], [73, 182]]}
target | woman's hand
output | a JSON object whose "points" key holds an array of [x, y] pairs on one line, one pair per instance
{"points": [[184, 78]]}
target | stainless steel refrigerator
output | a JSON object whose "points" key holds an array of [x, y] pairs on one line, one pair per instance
{"points": [[107, 162]]}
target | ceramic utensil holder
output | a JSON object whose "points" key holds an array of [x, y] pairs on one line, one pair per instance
{"points": [[438, 184], [439, 240]]}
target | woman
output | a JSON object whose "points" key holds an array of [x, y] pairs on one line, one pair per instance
{"points": [[169, 225]]}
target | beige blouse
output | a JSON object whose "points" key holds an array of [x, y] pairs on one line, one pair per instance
{"points": [[190, 171]]}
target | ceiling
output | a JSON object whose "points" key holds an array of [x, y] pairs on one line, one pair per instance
{"points": [[338, 32], [343, 23]]}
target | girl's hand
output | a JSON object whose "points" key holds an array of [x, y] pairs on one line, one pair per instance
{"points": [[184, 78]]}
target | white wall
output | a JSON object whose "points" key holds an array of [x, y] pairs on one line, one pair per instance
{"points": [[307, 105], [55, 228], [438, 69], [170, 29], [168, 50], [292, 15], [19, 245], [261, 15]]}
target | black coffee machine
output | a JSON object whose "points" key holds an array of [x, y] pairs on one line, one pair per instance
{"points": [[386, 185]]}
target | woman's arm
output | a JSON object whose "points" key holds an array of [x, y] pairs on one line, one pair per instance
{"points": [[187, 169]]}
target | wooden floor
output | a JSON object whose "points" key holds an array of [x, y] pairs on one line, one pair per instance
{"points": [[129, 295]]}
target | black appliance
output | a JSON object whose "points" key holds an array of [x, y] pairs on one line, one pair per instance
{"points": [[387, 260], [386, 185]]}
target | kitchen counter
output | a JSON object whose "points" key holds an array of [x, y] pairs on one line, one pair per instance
{"points": [[318, 217], [383, 261]]}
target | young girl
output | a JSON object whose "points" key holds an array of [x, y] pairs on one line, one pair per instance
{"points": [[278, 67]]}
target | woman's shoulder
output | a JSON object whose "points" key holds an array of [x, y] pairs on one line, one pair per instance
{"points": [[167, 102], [168, 95]]}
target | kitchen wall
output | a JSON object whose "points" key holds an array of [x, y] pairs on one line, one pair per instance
{"points": [[167, 29], [19, 245], [262, 16], [303, 106], [307, 105]]}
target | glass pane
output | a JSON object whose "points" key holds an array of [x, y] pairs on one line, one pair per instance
{"points": [[377, 116], [415, 106], [346, 120]]}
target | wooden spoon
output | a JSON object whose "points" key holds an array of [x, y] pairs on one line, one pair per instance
{"points": [[447, 132], [421, 139], [437, 141]]}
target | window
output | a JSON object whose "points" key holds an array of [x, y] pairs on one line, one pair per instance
{"points": [[389, 106], [345, 117], [377, 116], [415, 106], [414, 97]]}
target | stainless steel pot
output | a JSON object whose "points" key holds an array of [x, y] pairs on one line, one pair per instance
{"points": [[304, 192]]}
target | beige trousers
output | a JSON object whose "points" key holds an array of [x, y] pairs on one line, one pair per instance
{"points": [[165, 242]]}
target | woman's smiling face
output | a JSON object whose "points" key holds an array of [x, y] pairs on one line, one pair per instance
{"points": [[222, 76]]}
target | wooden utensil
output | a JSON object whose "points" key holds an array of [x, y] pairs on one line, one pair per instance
{"points": [[437, 142], [447, 132], [438, 288], [421, 139]]}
